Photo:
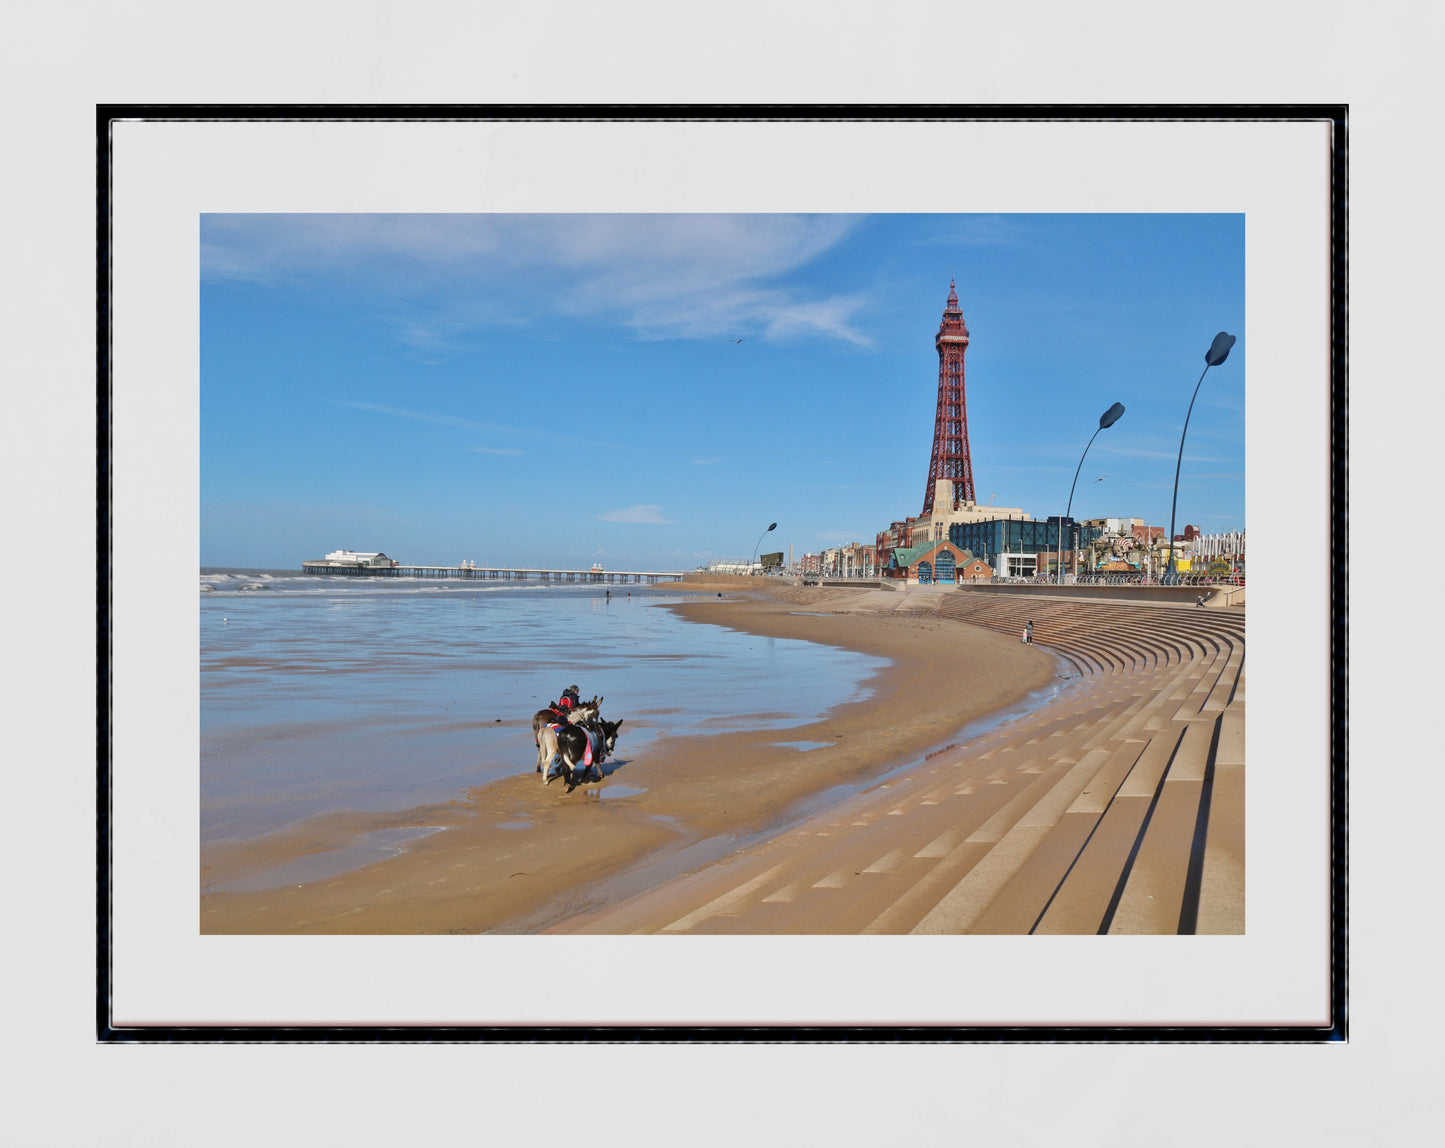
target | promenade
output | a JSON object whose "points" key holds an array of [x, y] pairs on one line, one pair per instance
{"points": [[1117, 807]]}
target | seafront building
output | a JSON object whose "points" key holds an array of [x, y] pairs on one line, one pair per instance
{"points": [[1228, 546], [1023, 549], [854, 560]]}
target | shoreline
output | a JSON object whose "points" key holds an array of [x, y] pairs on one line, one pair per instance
{"points": [[517, 855]]}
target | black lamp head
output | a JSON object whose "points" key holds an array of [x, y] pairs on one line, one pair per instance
{"points": [[1111, 416], [1219, 349], [772, 526]]}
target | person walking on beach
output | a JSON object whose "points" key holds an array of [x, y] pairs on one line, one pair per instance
{"points": [[1029, 634]]}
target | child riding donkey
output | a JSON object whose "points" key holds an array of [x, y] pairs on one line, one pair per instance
{"points": [[568, 709], [572, 738]]}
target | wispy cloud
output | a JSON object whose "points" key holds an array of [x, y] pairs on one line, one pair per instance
{"points": [[646, 514], [982, 231], [831, 317], [662, 276], [421, 417], [1164, 455]]}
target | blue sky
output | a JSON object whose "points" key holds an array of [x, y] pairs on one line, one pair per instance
{"points": [[559, 390]]}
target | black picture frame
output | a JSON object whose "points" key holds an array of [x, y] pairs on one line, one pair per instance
{"points": [[1334, 1030]]}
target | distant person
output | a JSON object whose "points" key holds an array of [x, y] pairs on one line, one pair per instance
{"points": [[1029, 634], [1199, 601]]}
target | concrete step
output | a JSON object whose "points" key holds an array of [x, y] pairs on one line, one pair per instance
{"points": [[1021, 903], [959, 909], [913, 903], [1154, 890], [1193, 705], [1223, 691], [1221, 889], [721, 905], [1082, 901]]}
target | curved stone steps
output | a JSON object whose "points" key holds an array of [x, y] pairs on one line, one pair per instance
{"points": [[1118, 807], [1099, 637]]}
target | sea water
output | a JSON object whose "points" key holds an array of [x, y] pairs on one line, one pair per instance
{"points": [[325, 693]]}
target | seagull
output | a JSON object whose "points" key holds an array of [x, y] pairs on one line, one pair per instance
{"points": [[737, 340], [1101, 478]]}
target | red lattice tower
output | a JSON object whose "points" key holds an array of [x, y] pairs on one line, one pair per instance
{"points": [[950, 422]]}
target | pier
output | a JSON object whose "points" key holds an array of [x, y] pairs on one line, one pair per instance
{"points": [[490, 573]]}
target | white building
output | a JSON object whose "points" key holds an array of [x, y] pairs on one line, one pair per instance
{"points": [[1205, 548], [359, 558]]}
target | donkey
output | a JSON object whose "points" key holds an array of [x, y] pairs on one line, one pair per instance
{"points": [[582, 712], [566, 747]]}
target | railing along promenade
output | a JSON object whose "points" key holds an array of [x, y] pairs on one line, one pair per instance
{"points": [[1206, 580], [503, 573], [1118, 807]]}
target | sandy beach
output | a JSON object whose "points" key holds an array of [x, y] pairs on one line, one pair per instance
{"points": [[516, 856]]}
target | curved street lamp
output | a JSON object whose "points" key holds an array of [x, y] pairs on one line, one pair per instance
{"points": [[1107, 419], [759, 542], [1217, 353]]}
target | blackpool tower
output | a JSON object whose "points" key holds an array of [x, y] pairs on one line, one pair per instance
{"points": [[950, 423]]}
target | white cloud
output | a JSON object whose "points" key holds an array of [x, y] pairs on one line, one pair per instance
{"points": [[663, 276], [651, 515]]}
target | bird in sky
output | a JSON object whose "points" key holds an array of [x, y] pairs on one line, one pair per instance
{"points": [[737, 340], [1101, 478]]}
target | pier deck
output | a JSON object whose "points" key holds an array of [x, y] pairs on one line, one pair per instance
{"points": [[504, 573]]}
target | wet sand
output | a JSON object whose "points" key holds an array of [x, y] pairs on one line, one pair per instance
{"points": [[517, 856]]}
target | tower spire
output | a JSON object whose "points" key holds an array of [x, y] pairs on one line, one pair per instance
{"points": [[950, 458]]}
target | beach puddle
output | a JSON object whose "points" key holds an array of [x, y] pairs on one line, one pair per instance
{"points": [[515, 825], [803, 746], [594, 792], [620, 791], [810, 613], [377, 845]]}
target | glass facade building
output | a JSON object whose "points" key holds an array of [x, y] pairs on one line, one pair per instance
{"points": [[1000, 536]]}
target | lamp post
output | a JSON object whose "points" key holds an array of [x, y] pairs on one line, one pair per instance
{"points": [[772, 526], [1217, 353], [1107, 419]]}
